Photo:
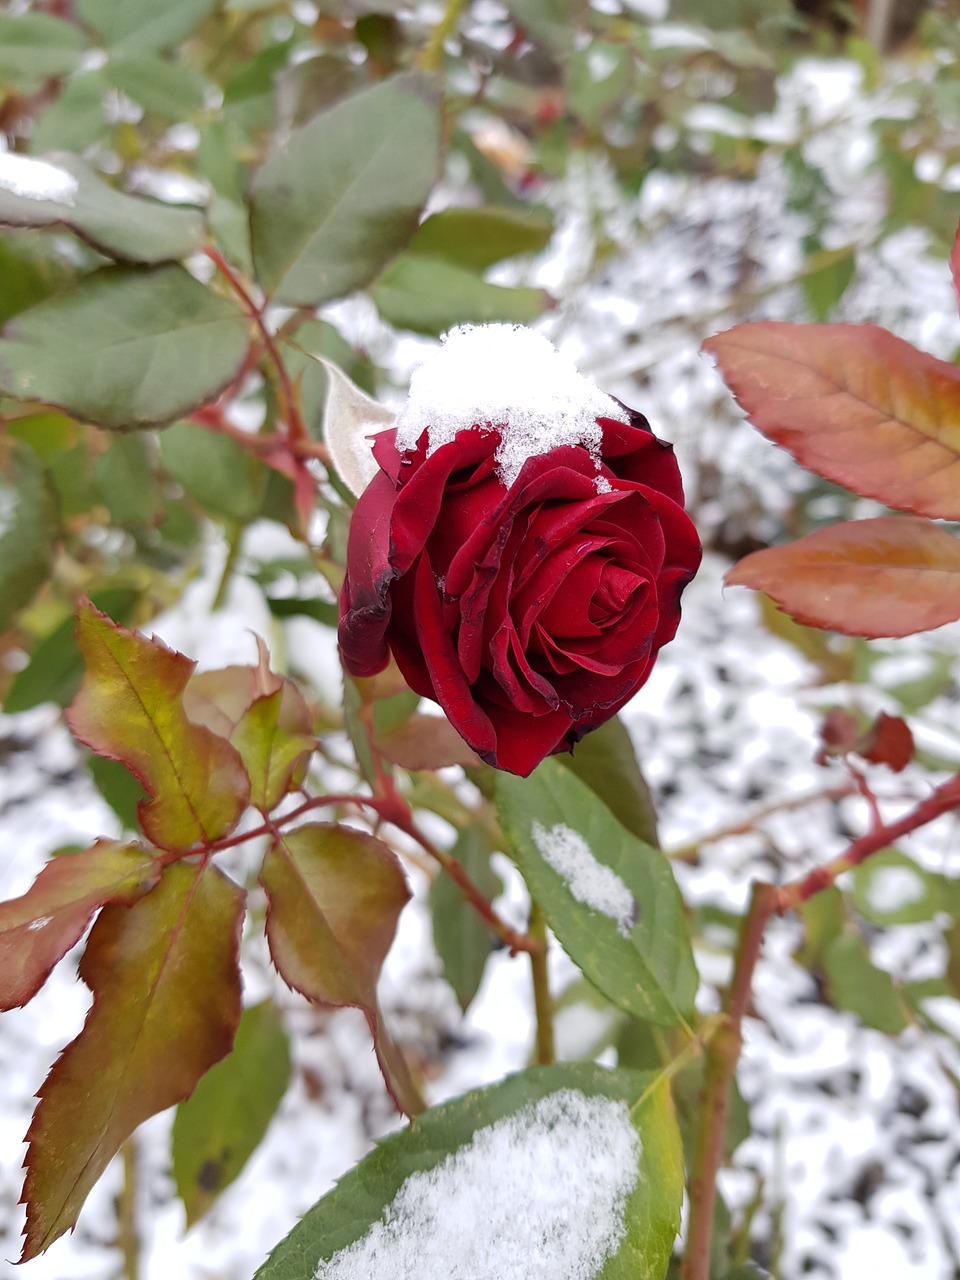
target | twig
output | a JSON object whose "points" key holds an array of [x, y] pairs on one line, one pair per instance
{"points": [[690, 852], [546, 1052], [128, 1239], [431, 56]]}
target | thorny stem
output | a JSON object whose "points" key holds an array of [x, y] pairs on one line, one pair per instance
{"points": [[290, 404], [234, 539], [542, 1000], [724, 1048]]}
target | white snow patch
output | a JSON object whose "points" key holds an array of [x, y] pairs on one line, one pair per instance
{"points": [[507, 377], [36, 179], [894, 887], [539, 1195], [588, 880]]}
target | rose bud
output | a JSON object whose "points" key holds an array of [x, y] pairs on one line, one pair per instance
{"points": [[521, 550]]}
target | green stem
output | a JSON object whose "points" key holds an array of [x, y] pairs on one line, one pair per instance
{"points": [[546, 1050], [234, 532], [431, 57], [128, 1239]]}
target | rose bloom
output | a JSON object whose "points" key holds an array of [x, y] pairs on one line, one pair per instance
{"points": [[531, 612]]}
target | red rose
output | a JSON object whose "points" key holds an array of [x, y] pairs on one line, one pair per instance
{"points": [[531, 611]]}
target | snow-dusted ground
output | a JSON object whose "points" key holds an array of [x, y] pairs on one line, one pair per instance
{"points": [[856, 1137]]}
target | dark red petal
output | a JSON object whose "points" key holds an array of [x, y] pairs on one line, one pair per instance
{"points": [[364, 600], [630, 453]]}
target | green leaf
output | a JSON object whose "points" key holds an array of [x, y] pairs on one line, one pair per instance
{"points": [[856, 984], [217, 1129], [166, 985], [55, 669], [605, 760], [34, 47], [121, 226], [39, 928], [130, 708], [890, 888], [29, 528], [77, 118], [633, 944], [137, 26], [121, 790], [462, 939], [477, 238], [333, 898], [32, 268], [597, 78], [226, 479], [540, 1174], [125, 347], [824, 287], [342, 196], [158, 85], [551, 23], [429, 295], [124, 475]]}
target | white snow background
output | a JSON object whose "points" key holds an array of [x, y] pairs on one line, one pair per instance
{"points": [[856, 1137]]}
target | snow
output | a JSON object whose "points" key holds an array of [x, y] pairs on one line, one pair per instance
{"points": [[590, 882], [894, 887], [538, 1195], [511, 378], [36, 179]]}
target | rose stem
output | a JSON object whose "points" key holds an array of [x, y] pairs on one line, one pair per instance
{"points": [[542, 1000], [290, 405], [431, 56], [128, 1239], [724, 1048]]}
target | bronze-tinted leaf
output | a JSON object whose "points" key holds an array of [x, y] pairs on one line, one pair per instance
{"points": [[333, 898], [892, 576], [425, 742], [39, 928], [130, 708], [166, 986], [855, 404]]}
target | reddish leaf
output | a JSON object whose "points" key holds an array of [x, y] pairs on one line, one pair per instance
{"points": [[854, 404], [166, 985], [888, 741], [425, 742], [130, 708], [891, 576], [838, 734], [333, 898], [39, 928], [264, 716]]}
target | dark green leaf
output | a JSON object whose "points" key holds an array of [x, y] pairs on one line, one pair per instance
{"points": [[855, 983], [824, 287], [29, 527], [77, 118], [122, 226], [342, 196], [606, 761], [477, 238], [616, 909], [549, 22], [539, 1165], [34, 47], [429, 295], [221, 1124], [122, 792], [137, 26], [597, 77], [55, 669], [124, 475], [462, 939], [31, 268], [224, 478], [158, 85], [125, 347]]}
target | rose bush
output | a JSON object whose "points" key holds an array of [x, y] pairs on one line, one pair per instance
{"points": [[531, 612]]}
